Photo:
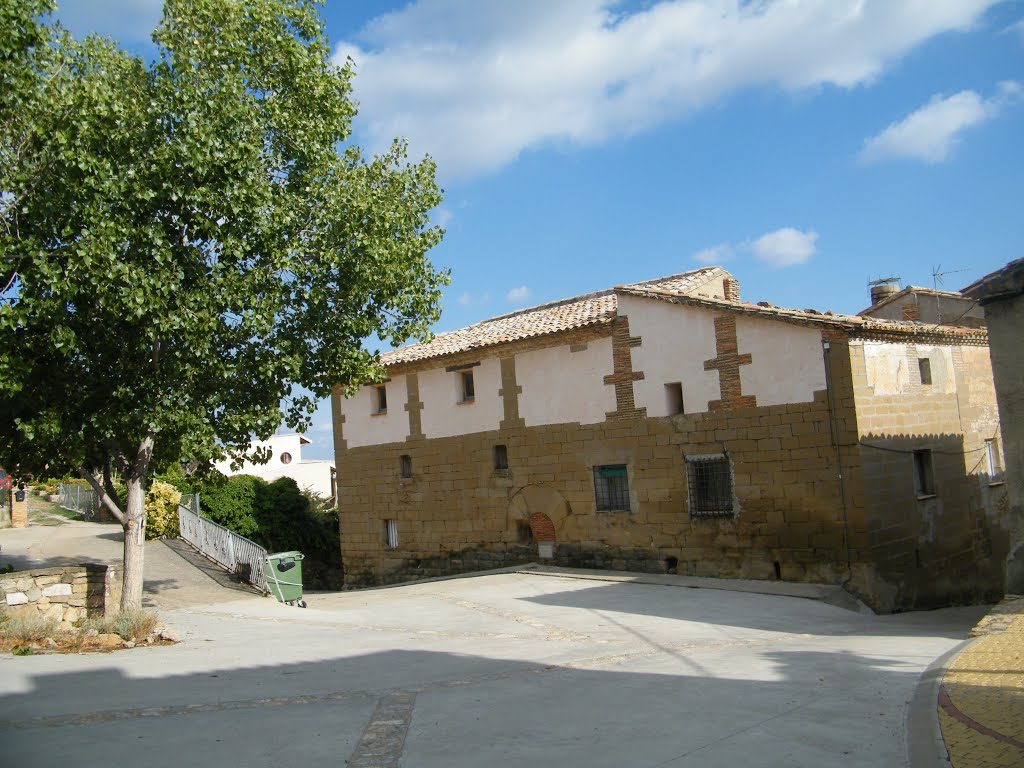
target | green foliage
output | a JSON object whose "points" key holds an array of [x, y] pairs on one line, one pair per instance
{"points": [[162, 510], [187, 244], [232, 503], [279, 517], [183, 245]]}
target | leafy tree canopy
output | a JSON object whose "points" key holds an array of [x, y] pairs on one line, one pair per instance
{"points": [[186, 242]]}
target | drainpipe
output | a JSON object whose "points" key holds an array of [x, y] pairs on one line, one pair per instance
{"points": [[833, 428]]}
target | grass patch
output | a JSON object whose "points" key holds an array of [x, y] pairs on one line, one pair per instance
{"points": [[135, 624], [25, 636]]}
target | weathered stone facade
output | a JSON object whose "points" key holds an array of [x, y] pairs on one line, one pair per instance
{"points": [[65, 594], [822, 479]]}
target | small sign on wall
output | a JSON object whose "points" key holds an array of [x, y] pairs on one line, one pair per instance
{"points": [[546, 550]]}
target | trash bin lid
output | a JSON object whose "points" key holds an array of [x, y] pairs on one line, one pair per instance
{"points": [[286, 556]]}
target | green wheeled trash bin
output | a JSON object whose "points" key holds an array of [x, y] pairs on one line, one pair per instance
{"points": [[284, 577]]}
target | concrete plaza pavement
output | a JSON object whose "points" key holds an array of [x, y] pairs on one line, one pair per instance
{"points": [[507, 669]]}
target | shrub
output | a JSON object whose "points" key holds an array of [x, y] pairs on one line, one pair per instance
{"points": [[135, 624], [232, 503], [162, 510], [18, 632]]}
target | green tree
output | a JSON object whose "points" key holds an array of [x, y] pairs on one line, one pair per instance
{"points": [[189, 243]]}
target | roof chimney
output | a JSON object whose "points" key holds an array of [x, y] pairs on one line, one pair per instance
{"points": [[883, 289], [731, 288]]}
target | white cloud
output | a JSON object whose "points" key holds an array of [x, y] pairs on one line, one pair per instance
{"points": [[785, 247], [467, 299], [518, 295], [715, 254], [930, 133], [128, 21], [442, 217], [476, 83]]}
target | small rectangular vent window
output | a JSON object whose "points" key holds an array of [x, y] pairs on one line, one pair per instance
{"points": [[674, 398], [405, 465], [500, 457], [925, 366], [391, 533], [924, 473]]}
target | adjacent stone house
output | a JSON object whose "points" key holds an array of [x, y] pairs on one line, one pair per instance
{"points": [[1001, 295], [669, 426]]}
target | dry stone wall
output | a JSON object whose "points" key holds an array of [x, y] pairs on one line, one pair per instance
{"points": [[65, 594]]}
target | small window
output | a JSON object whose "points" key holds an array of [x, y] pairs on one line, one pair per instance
{"points": [[391, 533], [405, 465], [993, 465], [468, 391], [925, 366], [924, 474], [611, 488], [674, 398], [380, 399], [286, 458], [524, 533], [710, 484], [500, 457]]}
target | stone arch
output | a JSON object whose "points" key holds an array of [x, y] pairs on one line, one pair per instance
{"points": [[543, 509]]}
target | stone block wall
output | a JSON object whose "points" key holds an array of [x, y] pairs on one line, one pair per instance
{"points": [[946, 546], [65, 594], [456, 512]]}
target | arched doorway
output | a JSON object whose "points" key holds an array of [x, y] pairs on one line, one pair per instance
{"points": [[536, 512]]}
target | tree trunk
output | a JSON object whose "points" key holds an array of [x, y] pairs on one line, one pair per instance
{"points": [[134, 526]]}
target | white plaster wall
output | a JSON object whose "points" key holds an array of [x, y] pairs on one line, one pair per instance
{"points": [[787, 363], [561, 386], [314, 476], [677, 340], [444, 416], [278, 444], [888, 368], [364, 426]]}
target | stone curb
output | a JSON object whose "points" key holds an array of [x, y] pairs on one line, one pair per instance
{"points": [[925, 746]]}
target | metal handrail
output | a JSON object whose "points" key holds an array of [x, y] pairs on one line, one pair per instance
{"points": [[235, 553]]}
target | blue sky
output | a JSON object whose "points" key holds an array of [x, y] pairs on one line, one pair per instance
{"points": [[808, 146]]}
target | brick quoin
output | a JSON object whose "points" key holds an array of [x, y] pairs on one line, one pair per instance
{"points": [[623, 374], [728, 363]]}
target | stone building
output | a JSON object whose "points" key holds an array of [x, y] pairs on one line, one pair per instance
{"points": [[669, 426], [1001, 295], [927, 305]]}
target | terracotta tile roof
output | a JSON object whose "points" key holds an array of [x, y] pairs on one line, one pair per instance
{"points": [[1005, 282], [856, 324], [555, 317]]}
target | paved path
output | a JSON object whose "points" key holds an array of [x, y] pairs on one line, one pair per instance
{"points": [[511, 669], [981, 700]]}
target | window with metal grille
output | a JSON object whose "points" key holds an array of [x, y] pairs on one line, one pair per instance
{"points": [[710, 483], [391, 533], [611, 488]]}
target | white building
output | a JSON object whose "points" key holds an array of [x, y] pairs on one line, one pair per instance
{"points": [[314, 475]]}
